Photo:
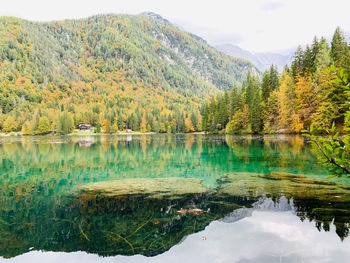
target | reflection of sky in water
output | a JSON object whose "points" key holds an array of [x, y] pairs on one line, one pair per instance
{"points": [[42, 172], [263, 237]]}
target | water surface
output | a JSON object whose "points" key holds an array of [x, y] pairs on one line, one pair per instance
{"points": [[109, 198]]}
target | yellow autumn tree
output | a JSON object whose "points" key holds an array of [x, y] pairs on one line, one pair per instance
{"points": [[44, 126], [296, 123], [286, 101], [115, 126], [10, 124], [326, 110], [143, 124], [26, 128], [189, 125], [106, 126], [304, 103]]}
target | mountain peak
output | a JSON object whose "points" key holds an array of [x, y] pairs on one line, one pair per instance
{"points": [[156, 17]]}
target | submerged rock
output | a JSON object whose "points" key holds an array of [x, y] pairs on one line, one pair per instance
{"points": [[278, 184], [297, 178], [152, 187]]}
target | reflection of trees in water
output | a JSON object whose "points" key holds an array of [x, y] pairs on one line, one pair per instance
{"points": [[105, 225], [134, 224], [324, 214], [60, 164], [38, 177], [107, 158], [323, 202], [269, 153], [113, 156]]}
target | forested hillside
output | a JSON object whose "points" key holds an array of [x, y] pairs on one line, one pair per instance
{"points": [[314, 90], [111, 71]]}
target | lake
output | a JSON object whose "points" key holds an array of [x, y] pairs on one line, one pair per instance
{"points": [[169, 198]]}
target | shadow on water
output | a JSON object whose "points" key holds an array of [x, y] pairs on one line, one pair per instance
{"points": [[84, 193]]}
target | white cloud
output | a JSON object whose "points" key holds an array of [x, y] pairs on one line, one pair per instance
{"points": [[255, 25], [263, 237]]}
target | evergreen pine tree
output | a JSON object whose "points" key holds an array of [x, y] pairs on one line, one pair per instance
{"points": [[273, 78], [307, 61], [297, 64], [339, 49], [323, 57], [265, 85], [314, 51]]}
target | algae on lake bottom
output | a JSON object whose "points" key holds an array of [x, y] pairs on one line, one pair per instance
{"points": [[280, 183], [150, 187]]}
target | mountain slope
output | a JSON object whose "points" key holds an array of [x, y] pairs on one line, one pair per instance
{"points": [[112, 67], [262, 60]]}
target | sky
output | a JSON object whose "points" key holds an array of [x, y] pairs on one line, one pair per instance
{"points": [[255, 25], [263, 237]]}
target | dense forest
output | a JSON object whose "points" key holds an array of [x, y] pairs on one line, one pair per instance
{"points": [[142, 73], [114, 72], [314, 90]]}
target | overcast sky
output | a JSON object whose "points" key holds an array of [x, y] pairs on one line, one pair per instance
{"points": [[255, 25]]}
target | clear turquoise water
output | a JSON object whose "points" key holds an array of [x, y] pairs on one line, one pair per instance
{"points": [[42, 208], [79, 160]]}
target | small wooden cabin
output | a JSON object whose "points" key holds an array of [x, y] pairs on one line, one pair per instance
{"points": [[85, 127]]}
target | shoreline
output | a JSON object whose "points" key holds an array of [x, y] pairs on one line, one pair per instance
{"points": [[18, 134]]}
